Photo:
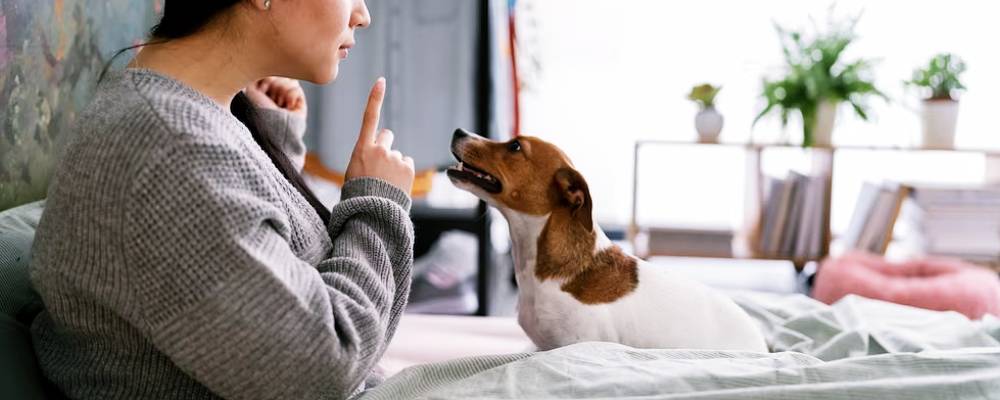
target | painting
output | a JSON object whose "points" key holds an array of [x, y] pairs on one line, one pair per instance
{"points": [[51, 55]]}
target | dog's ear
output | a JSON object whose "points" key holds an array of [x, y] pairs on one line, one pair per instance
{"points": [[573, 193]]}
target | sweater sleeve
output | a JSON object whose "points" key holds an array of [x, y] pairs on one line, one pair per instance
{"points": [[287, 130], [222, 294]]}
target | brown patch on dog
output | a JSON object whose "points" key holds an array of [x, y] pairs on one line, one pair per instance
{"points": [[612, 276], [566, 251], [567, 243]]}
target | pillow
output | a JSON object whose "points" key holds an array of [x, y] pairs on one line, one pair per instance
{"points": [[931, 283], [17, 232]]}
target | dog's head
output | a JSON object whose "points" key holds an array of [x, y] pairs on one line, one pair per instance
{"points": [[524, 174], [531, 176]]}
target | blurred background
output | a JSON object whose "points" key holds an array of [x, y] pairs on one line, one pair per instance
{"points": [[611, 84], [889, 143]]}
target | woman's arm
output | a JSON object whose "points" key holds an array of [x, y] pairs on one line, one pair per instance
{"points": [[221, 293]]}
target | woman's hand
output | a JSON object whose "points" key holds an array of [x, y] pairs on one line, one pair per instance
{"points": [[279, 93], [373, 155]]}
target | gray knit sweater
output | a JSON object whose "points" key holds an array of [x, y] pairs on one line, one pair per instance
{"points": [[176, 262]]}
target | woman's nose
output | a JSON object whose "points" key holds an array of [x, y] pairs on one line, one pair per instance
{"points": [[361, 18]]}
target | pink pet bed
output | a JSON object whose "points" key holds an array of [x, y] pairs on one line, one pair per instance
{"points": [[936, 284]]}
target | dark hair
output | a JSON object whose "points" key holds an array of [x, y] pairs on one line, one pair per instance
{"points": [[184, 18]]}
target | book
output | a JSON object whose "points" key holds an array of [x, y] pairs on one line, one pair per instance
{"points": [[901, 192], [955, 221], [862, 211], [769, 215], [809, 242], [875, 216], [793, 215], [690, 242], [794, 220]]}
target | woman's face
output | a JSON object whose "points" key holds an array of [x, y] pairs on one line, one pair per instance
{"points": [[312, 37]]}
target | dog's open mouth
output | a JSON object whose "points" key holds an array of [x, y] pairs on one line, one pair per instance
{"points": [[476, 176]]}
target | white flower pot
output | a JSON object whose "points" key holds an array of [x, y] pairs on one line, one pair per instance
{"points": [[826, 118], [940, 117], [708, 123]]}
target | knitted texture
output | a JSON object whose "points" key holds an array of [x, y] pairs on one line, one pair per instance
{"points": [[175, 261]]}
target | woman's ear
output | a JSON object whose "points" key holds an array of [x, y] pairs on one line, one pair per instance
{"points": [[259, 5], [575, 195]]}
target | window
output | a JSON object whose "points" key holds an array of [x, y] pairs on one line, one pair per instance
{"points": [[613, 72]]}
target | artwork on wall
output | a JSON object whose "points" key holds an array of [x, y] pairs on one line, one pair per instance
{"points": [[51, 55]]}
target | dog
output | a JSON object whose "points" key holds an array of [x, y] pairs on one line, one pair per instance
{"points": [[574, 284]]}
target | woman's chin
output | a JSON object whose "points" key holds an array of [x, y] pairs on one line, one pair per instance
{"points": [[326, 75]]}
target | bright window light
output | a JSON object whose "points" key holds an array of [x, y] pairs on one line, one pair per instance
{"points": [[613, 72]]}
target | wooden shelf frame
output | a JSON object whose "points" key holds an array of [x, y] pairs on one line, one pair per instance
{"points": [[823, 165]]}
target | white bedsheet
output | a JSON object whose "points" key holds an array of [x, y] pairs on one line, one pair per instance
{"points": [[422, 339], [855, 349]]}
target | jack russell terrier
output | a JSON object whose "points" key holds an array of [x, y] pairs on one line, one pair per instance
{"points": [[575, 285]]}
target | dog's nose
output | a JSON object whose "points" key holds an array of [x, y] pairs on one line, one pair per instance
{"points": [[459, 135]]}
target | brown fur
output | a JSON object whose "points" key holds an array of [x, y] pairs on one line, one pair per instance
{"points": [[566, 251], [541, 180], [612, 275]]}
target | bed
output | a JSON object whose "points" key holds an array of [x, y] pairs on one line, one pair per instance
{"points": [[857, 348]]}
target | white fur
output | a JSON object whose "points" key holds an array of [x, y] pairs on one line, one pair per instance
{"points": [[665, 311]]}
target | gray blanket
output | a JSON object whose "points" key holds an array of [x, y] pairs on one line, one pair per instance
{"points": [[856, 349]]}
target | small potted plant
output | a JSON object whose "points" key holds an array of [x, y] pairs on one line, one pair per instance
{"points": [[940, 79], [708, 122], [817, 80]]}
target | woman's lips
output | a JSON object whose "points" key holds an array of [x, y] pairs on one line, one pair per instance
{"points": [[345, 50]]}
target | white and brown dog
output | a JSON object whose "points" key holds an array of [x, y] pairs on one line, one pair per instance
{"points": [[575, 285]]}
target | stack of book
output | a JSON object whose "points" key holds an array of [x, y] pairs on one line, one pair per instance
{"points": [[962, 222], [793, 223], [664, 241], [875, 214]]}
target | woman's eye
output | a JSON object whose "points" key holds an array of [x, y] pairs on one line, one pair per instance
{"points": [[514, 146]]}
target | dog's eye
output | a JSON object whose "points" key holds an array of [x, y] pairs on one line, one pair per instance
{"points": [[514, 146]]}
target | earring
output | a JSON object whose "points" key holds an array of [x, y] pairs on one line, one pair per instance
{"points": [[267, 4]]}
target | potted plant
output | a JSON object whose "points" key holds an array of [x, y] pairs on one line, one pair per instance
{"points": [[708, 122], [817, 81], [941, 80]]}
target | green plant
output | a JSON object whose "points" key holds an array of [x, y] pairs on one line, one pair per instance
{"points": [[704, 95], [816, 73], [940, 76]]}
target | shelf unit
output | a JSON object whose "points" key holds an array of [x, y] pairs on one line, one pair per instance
{"points": [[822, 165]]}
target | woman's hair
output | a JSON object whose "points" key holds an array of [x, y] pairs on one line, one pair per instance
{"points": [[184, 18]]}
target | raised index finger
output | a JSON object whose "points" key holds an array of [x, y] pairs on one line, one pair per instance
{"points": [[369, 125]]}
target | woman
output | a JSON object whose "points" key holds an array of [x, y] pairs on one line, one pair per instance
{"points": [[182, 257]]}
